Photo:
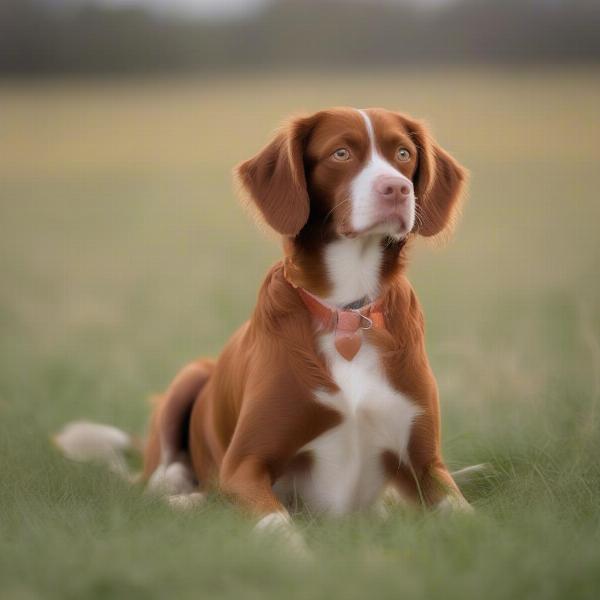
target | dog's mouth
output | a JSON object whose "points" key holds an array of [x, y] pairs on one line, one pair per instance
{"points": [[394, 226]]}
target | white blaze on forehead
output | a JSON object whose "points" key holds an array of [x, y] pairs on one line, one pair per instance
{"points": [[370, 130], [362, 195]]}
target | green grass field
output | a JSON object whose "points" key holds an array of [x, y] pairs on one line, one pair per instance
{"points": [[123, 254]]}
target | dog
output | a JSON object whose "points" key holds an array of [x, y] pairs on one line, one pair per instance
{"points": [[325, 396]]}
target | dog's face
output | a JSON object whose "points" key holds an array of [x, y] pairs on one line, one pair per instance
{"points": [[359, 168], [350, 173]]}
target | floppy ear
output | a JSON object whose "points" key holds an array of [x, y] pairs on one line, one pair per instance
{"points": [[439, 182], [275, 179]]}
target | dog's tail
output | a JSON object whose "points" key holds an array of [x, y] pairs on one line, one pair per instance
{"points": [[84, 441]]}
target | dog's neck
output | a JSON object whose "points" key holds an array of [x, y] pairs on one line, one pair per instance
{"points": [[353, 267], [344, 272]]}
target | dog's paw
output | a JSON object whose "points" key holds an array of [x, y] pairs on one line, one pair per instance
{"points": [[186, 502], [279, 524], [171, 480], [388, 502], [454, 503]]}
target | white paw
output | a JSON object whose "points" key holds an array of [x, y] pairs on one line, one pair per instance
{"points": [[172, 480], [185, 502], [454, 503], [280, 524], [390, 500]]}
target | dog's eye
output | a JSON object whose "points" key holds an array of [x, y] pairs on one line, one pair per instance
{"points": [[341, 154], [403, 154]]}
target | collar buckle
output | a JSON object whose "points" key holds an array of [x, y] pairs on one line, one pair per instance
{"points": [[369, 324]]}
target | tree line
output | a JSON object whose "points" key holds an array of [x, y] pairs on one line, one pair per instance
{"points": [[37, 38]]}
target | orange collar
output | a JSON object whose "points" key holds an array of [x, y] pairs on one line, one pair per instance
{"points": [[348, 324]]}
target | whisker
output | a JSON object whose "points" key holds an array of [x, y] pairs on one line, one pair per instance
{"points": [[336, 206], [346, 200], [419, 215]]}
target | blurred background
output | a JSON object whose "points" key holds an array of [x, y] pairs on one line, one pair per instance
{"points": [[120, 122], [54, 37], [124, 253]]}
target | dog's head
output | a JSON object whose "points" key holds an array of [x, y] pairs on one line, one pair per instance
{"points": [[350, 173]]}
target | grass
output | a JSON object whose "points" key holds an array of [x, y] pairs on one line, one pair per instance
{"points": [[123, 254]]}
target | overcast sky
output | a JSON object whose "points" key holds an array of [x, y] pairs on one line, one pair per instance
{"points": [[213, 8], [209, 8]]}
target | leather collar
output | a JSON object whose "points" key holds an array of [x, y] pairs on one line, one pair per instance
{"points": [[347, 323]]}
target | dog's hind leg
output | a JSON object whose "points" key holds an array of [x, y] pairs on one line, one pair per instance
{"points": [[167, 465]]}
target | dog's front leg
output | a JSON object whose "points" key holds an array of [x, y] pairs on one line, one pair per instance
{"points": [[247, 481], [429, 484], [422, 476]]}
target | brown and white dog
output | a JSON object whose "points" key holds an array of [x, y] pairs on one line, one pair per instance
{"points": [[325, 396]]}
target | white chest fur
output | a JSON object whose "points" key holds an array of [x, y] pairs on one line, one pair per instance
{"points": [[347, 470], [353, 266]]}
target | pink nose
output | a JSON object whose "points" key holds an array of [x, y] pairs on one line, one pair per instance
{"points": [[393, 189]]}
